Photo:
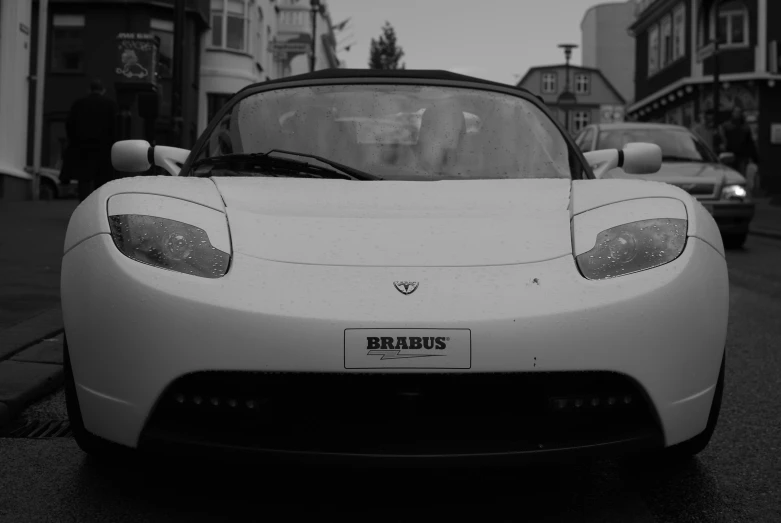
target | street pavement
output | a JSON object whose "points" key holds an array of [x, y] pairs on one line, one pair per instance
{"points": [[737, 478]]}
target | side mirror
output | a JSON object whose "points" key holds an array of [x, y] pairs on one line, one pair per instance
{"points": [[634, 158], [131, 156], [137, 156], [727, 158]]}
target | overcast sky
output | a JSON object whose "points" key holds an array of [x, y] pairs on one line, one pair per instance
{"points": [[492, 39]]}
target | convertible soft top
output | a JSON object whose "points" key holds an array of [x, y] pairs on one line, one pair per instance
{"points": [[422, 74]]}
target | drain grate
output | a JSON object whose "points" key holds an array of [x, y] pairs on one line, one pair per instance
{"points": [[37, 429]]}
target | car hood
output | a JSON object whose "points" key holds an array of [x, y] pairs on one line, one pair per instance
{"points": [[677, 172], [398, 224]]}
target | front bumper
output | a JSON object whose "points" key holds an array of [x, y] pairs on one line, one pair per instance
{"points": [[134, 331], [731, 217]]}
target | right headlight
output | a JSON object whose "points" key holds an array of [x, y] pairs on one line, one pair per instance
{"points": [[734, 192], [634, 247]]}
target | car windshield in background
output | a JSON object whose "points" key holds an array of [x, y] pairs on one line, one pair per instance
{"points": [[390, 132], [677, 145]]}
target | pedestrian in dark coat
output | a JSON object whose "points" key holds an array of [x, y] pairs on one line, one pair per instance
{"points": [[738, 140], [91, 128]]}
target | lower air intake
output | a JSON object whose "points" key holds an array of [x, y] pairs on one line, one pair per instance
{"points": [[402, 413]]}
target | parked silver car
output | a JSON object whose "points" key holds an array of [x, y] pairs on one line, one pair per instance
{"points": [[688, 163], [51, 188]]}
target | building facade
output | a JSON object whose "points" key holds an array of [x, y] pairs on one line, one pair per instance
{"points": [[15, 42], [82, 44], [258, 40], [595, 99], [606, 44], [674, 76], [230, 44]]}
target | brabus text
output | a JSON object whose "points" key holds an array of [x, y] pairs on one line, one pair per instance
{"points": [[407, 343]]}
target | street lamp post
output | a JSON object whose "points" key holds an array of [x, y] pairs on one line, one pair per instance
{"points": [[178, 80], [716, 72], [567, 97], [315, 9]]}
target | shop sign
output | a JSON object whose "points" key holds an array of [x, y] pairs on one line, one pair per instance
{"points": [[136, 60]]}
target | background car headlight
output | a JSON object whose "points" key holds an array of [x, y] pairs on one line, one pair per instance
{"points": [[168, 244], [634, 247], [733, 192]]}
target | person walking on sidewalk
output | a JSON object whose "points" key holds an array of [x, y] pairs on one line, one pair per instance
{"points": [[705, 130], [737, 139], [91, 128]]}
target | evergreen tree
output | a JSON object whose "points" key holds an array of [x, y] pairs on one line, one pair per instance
{"points": [[385, 52]]}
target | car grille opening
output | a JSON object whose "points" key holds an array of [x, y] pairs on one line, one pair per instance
{"points": [[409, 414]]}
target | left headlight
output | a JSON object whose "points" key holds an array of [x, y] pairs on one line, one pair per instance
{"points": [[733, 192], [634, 247], [170, 233], [168, 244]]}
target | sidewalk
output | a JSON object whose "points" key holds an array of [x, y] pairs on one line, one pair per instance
{"points": [[32, 235]]}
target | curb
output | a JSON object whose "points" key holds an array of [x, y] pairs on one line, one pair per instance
{"points": [[30, 362], [765, 233], [18, 337]]}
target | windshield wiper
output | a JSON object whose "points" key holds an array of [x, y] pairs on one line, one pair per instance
{"points": [[352, 171], [679, 159], [338, 170]]}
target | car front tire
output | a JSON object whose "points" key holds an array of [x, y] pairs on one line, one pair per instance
{"points": [[93, 445]]}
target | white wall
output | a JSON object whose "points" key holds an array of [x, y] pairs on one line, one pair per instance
{"points": [[225, 72], [588, 39], [14, 70], [607, 45]]}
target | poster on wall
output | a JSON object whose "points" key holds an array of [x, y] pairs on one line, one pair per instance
{"points": [[741, 94]]}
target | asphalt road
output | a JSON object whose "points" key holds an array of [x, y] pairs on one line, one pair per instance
{"points": [[738, 478]]}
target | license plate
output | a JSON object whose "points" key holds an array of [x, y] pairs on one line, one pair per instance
{"points": [[407, 349]]}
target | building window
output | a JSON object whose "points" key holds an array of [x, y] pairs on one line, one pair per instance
{"points": [[653, 50], [674, 116], [733, 24], [679, 32], [230, 24], [215, 102], [581, 84], [580, 119], [67, 44], [549, 83], [164, 30], [665, 42]]}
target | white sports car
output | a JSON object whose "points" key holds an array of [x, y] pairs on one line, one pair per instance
{"points": [[293, 291]]}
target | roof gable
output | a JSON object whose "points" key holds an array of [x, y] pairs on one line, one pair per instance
{"points": [[561, 67]]}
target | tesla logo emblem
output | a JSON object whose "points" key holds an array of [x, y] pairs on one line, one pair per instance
{"points": [[405, 287]]}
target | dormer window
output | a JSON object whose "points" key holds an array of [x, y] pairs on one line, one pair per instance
{"points": [[581, 84], [549, 83]]}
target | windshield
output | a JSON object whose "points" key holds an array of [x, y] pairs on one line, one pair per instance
{"points": [[395, 132], [678, 145]]}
